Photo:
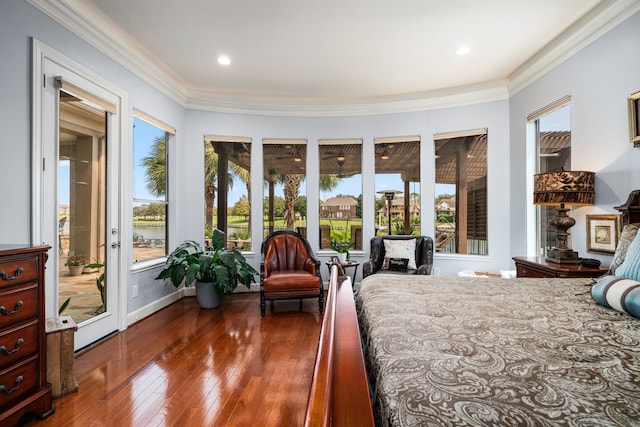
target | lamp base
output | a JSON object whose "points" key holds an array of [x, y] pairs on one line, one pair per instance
{"points": [[562, 256]]}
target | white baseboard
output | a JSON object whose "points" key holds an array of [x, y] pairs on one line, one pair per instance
{"points": [[149, 309]]}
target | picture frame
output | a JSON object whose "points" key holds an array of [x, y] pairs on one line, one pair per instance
{"points": [[633, 107], [335, 259], [603, 233]]}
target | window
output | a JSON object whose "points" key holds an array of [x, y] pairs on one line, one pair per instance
{"points": [[150, 139], [228, 195], [285, 201], [397, 185], [552, 130], [340, 192], [461, 192]]}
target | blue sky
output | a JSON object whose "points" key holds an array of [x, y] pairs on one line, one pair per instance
{"points": [[144, 135]]}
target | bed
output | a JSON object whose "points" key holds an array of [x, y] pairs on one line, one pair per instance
{"points": [[465, 351]]}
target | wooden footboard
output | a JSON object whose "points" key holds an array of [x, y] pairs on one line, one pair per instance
{"points": [[339, 392]]}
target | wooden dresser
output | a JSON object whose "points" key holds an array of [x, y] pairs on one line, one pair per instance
{"points": [[538, 267], [23, 386]]}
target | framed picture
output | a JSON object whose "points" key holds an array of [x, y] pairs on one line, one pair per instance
{"points": [[603, 232], [633, 103], [335, 259]]}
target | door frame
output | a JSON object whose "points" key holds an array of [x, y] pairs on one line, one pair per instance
{"points": [[43, 228]]}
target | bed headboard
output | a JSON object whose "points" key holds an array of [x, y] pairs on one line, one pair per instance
{"points": [[630, 210]]}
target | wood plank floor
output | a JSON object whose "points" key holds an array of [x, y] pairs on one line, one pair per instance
{"points": [[185, 366]]}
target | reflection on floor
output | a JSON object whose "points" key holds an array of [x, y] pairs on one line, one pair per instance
{"points": [[82, 289]]}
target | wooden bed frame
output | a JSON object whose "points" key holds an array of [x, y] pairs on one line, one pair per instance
{"points": [[339, 392]]}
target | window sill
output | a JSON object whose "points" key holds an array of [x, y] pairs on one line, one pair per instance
{"points": [[147, 264]]}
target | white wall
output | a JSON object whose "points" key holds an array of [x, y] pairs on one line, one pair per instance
{"points": [[493, 116], [19, 23], [599, 79]]}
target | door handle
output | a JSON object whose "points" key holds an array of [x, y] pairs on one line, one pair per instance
{"points": [[115, 245]]}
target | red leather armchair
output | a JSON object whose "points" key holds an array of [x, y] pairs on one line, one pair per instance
{"points": [[289, 270]]}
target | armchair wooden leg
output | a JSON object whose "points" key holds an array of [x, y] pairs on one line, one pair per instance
{"points": [[263, 305], [321, 302]]}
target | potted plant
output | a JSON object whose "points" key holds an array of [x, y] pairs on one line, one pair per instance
{"points": [[215, 272], [76, 264], [342, 248]]}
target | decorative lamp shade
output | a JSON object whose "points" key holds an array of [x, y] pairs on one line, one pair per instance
{"points": [[564, 187]]}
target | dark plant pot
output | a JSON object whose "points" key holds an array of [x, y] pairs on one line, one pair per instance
{"points": [[207, 295]]}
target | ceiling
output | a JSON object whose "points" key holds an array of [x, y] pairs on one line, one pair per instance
{"points": [[337, 57]]}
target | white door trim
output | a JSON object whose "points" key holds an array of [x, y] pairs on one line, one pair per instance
{"points": [[119, 126]]}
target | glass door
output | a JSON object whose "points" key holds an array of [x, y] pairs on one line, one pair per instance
{"points": [[82, 192], [77, 198], [87, 236]]}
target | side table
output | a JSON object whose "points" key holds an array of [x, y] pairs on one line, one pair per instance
{"points": [[539, 267], [345, 266]]}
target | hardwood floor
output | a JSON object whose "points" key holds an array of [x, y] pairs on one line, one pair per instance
{"points": [[185, 366]]}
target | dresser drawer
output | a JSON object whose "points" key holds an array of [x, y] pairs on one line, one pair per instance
{"points": [[17, 381], [530, 272], [18, 342], [18, 270], [18, 305]]}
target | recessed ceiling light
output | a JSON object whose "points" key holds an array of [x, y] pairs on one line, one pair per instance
{"points": [[224, 60], [463, 50]]}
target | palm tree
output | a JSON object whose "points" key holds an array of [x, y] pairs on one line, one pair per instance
{"points": [[245, 176], [291, 189], [329, 181], [211, 179], [156, 167]]}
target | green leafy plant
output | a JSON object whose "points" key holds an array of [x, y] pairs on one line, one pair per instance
{"points": [[64, 306], [341, 246], [101, 287], [224, 267], [340, 241], [76, 260], [399, 228]]}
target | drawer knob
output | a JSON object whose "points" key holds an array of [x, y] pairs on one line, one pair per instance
{"points": [[17, 274], [4, 390], [6, 352], [16, 309]]}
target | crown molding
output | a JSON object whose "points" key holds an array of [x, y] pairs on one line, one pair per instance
{"points": [[311, 107], [82, 20], [602, 18], [96, 29]]}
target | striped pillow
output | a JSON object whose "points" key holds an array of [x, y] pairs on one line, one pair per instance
{"points": [[630, 268], [627, 236], [618, 293]]}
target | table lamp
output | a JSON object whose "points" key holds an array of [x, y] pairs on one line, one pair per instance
{"points": [[563, 188]]}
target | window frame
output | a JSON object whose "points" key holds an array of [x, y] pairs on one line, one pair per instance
{"points": [[481, 249], [535, 218], [169, 137], [243, 245]]}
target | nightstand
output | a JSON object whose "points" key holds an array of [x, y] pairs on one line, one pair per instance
{"points": [[348, 264], [538, 267]]}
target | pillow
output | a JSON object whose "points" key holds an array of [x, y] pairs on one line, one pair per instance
{"points": [[626, 237], [618, 293], [395, 264], [630, 268], [401, 249]]}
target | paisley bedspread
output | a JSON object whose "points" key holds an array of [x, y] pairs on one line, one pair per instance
{"points": [[465, 351]]}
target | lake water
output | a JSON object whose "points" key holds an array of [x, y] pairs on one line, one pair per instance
{"points": [[148, 232]]}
